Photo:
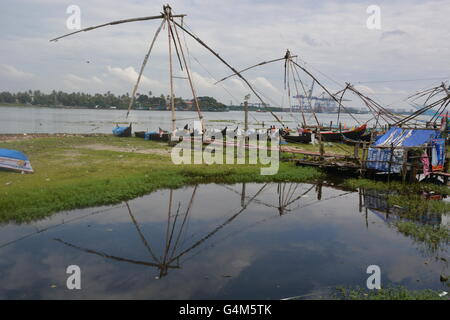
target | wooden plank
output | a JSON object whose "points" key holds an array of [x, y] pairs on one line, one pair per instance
{"points": [[312, 153]]}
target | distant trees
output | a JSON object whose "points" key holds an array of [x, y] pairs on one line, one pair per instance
{"points": [[79, 99], [105, 100], [7, 97], [209, 103]]}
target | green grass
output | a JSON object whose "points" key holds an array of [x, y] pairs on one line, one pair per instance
{"points": [[329, 147], [411, 206], [397, 186], [414, 205], [393, 293], [69, 174], [431, 235]]}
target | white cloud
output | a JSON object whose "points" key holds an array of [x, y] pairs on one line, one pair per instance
{"points": [[364, 89], [8, 72], [79, 83], [330, 36]]}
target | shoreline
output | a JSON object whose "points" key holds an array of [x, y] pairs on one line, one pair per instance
{"points": [[75, 171], [79, 171]]}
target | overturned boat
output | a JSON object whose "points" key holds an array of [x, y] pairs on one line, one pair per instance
{"points": [[14, 160], [122, 131]]}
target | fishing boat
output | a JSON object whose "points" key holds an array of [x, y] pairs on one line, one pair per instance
{"points": [[140, 134], [122, 131], [160, 135], [334, 136], [14, 160], [303, 136]]}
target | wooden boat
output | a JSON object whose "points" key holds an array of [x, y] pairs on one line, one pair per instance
{"points": [[366, 136], [14, 160], [303, 137], [122, 131], [139, 134], [161, 135], [334, 136], [155, 136]]}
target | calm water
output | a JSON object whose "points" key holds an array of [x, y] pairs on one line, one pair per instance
{"points": [[253, 241], [51, 120]]}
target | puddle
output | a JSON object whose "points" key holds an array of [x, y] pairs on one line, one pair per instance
{"points": [[243, 241]]}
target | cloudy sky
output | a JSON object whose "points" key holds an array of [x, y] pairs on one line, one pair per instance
{"points": [[330, 36]]}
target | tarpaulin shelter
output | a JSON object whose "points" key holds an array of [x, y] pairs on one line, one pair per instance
{"points": [[14, 160], [390, 152]]}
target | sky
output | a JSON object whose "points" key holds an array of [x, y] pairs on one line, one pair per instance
{"points": [[330, 38]]}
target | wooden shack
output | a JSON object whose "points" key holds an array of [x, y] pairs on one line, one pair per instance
{"points": [[408, 152]]}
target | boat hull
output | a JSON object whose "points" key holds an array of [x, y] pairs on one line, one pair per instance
{"points": [[355, 134], [154, 136], [302, 138], [122, 131], [139, 134]]}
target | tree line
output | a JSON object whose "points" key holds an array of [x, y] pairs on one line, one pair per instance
{"points": [[105, 100]]}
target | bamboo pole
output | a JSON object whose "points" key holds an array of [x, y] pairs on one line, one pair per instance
{"points": [[251, 67], [390, 162], [162, 16], [191, 84], [299, 99], [326, 90], [308, 97], [167, 12], [228, 65], [133, 95]]}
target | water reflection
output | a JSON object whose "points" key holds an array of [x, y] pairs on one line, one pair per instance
{"points": [[378, 203], [215, 241], [172, 250]]}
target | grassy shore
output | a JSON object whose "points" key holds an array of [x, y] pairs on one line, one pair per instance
{"points": [[81, 171], [392, 293]]}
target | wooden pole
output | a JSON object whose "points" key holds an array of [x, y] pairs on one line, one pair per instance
{"points": [[298, 96], [245, 116], [229, 66], [307, 95], [363, 159], [133, 95], [168, 13], [321, 147], [162, 16], [390, 162], [326, 90], [197, 104], [356, 151], [404, 166]]}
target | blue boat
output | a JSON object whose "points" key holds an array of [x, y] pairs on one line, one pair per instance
{"points": [[122, 131], [14, 160]]}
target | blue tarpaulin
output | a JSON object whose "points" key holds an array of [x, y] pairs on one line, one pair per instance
{"points": [[117, 131], [406, 138], [379, 154], [378, 159]]}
